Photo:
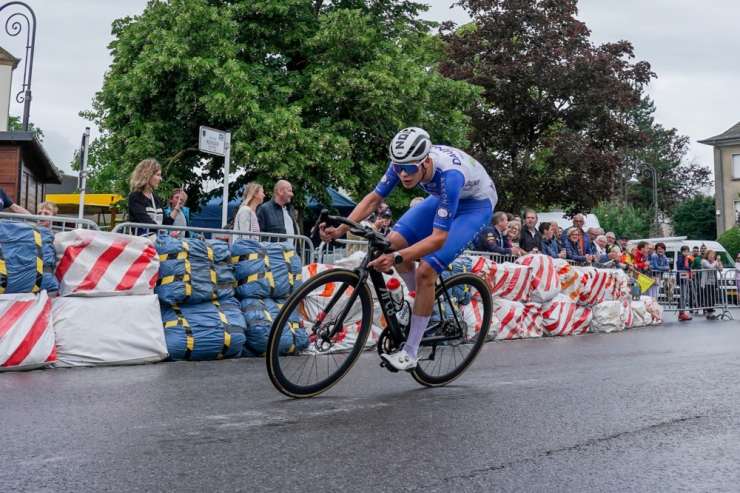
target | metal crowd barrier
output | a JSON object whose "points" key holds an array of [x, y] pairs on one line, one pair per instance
{"points": [[303, 244], [696, 292], [327, 254], [57, 224], [496, 257]]}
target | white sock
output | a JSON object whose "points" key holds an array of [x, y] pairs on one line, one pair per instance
{"points": [[418, 326], [409, 278]]}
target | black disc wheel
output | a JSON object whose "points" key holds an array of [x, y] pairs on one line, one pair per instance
{"points": [[448, 349], [337, 325]]}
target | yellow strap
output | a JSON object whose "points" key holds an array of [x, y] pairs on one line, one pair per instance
{"points": [[169, 279], [3, 269], [186, 278], [251, 256], [191, 342], [210, 259], [227, 343], [266, 275], [180, 256]]}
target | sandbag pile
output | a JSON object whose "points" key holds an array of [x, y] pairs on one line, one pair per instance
{"points": [[26, 331], [26, 277], [265, 275], [201, 318], [26, 259], [317, 300], [107, 313], [209, 330]]}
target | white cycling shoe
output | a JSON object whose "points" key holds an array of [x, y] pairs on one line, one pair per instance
{"points": [[400, 360]]}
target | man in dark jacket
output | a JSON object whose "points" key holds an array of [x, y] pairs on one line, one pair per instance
{"points": [[276, 215], [494, 239], [530, 239]]}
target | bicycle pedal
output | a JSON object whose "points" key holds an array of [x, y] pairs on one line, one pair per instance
{"points": [[384, 364]]}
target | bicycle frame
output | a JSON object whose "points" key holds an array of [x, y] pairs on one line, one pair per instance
{"points": [[384, 296]]}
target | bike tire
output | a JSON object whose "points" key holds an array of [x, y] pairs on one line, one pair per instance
{"points": [[448, 372], [284, 369]]}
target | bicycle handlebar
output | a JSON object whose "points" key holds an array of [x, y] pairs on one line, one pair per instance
{"points": [[324, 217]]}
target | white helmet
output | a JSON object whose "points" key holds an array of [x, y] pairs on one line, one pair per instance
{"points": [[410, 145]]}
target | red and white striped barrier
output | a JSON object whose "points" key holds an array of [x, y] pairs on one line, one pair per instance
{"points": [[606, 317], [532, 320], [626, 317], [621, 286], [594, 285], [640, 315], [473, 316], [316, 301], [509, 281], [654, 310], [545, 283], [563, 317], [26, 332], [570, 279], [509, 316], [96, 263]]}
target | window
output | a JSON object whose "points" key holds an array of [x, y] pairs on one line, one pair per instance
{"points": [[735, 166]]}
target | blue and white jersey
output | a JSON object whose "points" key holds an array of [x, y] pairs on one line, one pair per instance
{"points": [[458, 181]]}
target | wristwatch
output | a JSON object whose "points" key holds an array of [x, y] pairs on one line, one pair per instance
{"points": [[397, 258]]}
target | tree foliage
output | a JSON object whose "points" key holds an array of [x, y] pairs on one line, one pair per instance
{"points": [[730, 239], [677, 178], [695, 218], [311, 90], [15, 124], [635, 222], [551, 121]]}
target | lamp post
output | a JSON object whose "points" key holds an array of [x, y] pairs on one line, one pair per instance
{"points": [[648, 173], [13, 29]]}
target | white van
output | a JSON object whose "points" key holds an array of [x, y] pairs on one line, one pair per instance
{"points": [[673, 246], [589, 220]]}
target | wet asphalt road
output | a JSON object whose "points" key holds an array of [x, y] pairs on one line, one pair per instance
{"points": [[655, 409]]}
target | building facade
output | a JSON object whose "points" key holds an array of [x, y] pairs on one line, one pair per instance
{"points": [[726, 177]]}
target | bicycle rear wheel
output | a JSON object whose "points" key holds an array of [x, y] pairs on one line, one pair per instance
{"points": [[442, 362], [320, 302]]}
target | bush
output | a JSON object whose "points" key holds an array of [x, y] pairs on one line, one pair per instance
{"points": [[730, 239], [695, 218], [624, 220]]}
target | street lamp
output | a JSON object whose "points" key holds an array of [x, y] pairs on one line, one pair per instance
{"points": [[648, 173], [14, 29]]}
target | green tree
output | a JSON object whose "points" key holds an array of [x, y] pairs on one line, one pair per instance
{"points": [[695, 218], [624, 220], [16, 125], [551, 124], [677, 178], [311, 91]]}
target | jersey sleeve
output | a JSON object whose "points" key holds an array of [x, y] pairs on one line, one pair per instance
{"points": [[387, 183], [451, 184]]}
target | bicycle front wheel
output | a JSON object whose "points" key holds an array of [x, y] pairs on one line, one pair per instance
{"points": [[441, 362], [337, 333]]}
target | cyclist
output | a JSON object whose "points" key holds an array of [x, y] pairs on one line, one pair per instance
{"points": [[460, 205]]}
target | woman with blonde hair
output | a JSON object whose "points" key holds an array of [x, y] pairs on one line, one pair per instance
{"points": [[144, 205], [246, 218]]}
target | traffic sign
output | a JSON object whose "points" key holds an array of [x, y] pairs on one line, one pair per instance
{"points": [[212, 141]]}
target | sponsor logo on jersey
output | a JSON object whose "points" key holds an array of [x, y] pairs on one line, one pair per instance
{"points": [[472, 183], [443, 213], [384, 180]]}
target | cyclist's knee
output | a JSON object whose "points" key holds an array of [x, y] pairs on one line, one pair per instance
{"points": [[398, 242], [425, 274]]}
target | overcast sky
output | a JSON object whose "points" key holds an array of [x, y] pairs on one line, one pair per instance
{"points": [[692, 46]]}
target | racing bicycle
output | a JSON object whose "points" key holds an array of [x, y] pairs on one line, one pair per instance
{"points": [[338, 298]]}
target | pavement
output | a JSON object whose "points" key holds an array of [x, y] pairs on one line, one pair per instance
{"points": [[652, 409]]}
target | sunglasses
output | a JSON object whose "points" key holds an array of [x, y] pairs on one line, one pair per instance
{"points": [[410, 169]]}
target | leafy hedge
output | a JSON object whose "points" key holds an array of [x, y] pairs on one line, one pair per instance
{"points": [[730, 239]]}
